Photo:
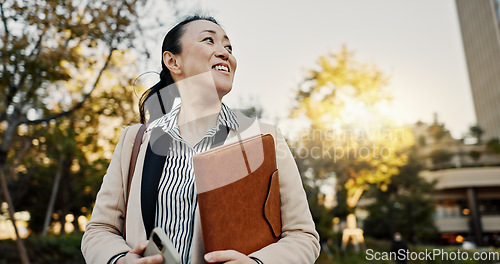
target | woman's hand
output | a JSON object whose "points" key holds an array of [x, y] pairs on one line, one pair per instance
{"points": [[228, 257], [135, 256]]}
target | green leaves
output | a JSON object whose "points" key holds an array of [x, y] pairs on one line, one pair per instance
{"points": [[47, 43], [351, 135], [53, 54]]}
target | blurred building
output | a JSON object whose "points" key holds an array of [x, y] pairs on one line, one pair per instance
{"points": [[480, 27], [467, 191]]}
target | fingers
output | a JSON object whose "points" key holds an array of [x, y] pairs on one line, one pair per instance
{"points": [[135, 256], [139, 249], [222, 256], [155, 259]]}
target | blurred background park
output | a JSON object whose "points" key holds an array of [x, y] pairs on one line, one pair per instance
{"points": [[391, 109]]}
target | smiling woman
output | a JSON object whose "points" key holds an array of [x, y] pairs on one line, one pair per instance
{"points": [[205, 47], [197, 61]]}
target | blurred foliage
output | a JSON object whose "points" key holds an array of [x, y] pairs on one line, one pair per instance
{"points": [[440, 156], [477, 132], [474, 154], [54, 52], [45, 250], [322, 215], [421, 141], [350, 137], [252, 111], [405, 207], [78, 145], [493, 146], [53, 55], [437, 131]]}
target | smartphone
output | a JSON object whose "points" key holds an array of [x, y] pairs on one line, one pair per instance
{"points": [[160, 244]]}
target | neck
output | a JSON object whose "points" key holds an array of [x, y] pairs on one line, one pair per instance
{"points": [[196, 117], [200, 107], [195, 113]]}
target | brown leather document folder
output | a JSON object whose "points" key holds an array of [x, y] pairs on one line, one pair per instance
{"points": [[238, 195]]}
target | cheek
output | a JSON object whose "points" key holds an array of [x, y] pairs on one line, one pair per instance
{"points": [[196, 66], [233, 62], [197, 59]]}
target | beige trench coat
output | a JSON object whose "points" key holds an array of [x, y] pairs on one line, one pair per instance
{"points": [[103, 239]]}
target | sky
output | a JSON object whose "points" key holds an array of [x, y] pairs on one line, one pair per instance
{"points": [[417, 43]]}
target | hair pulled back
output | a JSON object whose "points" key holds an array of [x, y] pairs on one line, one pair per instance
{"points": [[171, 43]]}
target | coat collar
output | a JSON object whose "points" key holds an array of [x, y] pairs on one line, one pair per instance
{"points": [[168, 122]]}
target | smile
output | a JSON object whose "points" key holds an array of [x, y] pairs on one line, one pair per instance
{"points": [[221, 68]]}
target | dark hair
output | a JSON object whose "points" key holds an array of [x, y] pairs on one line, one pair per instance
{"points": [[171, 43]]}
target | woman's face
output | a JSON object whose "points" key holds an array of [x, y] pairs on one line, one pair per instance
{"points": [[206, 48]]}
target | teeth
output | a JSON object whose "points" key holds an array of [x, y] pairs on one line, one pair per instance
{"points": [[221, 68]]}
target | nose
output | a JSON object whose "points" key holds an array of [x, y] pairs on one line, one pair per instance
{"points": [[221, 52]]}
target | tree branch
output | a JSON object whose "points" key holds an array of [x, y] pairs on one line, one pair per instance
{"points": [[78, 105], [4, 20], [36, 52], [3, 115], [24, 181], [20, 244]]}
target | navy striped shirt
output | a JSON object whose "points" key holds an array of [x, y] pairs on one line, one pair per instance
{"points": [[177, 200]]}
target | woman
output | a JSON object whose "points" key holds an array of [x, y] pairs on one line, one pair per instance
{"points": [[197, 58]]}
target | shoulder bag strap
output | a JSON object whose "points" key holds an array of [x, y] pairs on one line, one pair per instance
{"points": [[133, 160]]}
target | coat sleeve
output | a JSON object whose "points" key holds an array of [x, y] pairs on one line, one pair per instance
{"points": [[299, 241], [103, 233]]}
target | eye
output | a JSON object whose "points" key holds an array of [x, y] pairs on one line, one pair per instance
{"points": [[209, 39], [229, 47]]}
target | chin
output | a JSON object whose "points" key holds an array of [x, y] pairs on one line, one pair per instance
{"points": [[222, 90]]}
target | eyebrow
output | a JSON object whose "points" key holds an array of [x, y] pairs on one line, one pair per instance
{"points": [[213, 32]]}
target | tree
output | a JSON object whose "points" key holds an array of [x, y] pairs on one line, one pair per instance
{"points": [[406, 206], [437, 130], [475, 155], [477, 132], [440, 156], [70, 156], [44, 44], [350, 136], [493, 146]]}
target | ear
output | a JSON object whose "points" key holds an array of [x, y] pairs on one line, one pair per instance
{"points": [[170, 61]]}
